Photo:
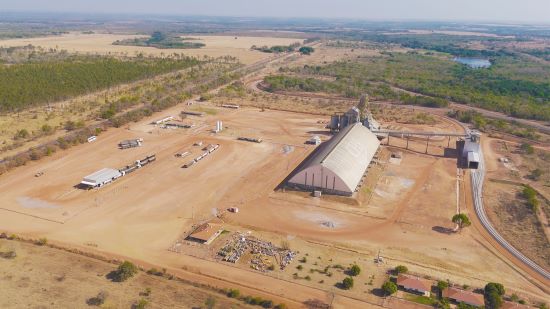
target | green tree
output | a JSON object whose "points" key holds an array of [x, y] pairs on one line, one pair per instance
{"points": [[461, 220], [493, 295], [389, 288], [355, 270], [441, 285], [306, 50], [125, 271], [401, 269], [347, 283]]}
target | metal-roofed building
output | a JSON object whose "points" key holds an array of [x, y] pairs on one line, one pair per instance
{"points": [[338, 165], [101, 177]]}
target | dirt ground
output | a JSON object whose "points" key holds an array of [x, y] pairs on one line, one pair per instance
{"points": [[42, 277], [142, 214], [101, 43]]}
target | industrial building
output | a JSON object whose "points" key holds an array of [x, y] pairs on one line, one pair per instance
{"points": [[207, 232], [469, 151], [101, 178], [339, 122], [338, 165]]}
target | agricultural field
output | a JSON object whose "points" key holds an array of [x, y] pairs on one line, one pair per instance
{"points": [[98, 43]]}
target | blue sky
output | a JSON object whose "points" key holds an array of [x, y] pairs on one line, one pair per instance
{"points": [[464, 10]]}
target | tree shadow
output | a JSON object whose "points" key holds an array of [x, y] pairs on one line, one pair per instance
{"points": [[378, 292], [443, 230], [112, 276]]}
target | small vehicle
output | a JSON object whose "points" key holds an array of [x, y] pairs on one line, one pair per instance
{"points": [[233, 209], [38, 174]]}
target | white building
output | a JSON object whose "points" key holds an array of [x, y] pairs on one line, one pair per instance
{"points": [[338, 165], [101, 178]]}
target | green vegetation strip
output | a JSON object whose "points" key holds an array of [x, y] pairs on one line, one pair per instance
{"points": [[514, 85], [32, 84]]}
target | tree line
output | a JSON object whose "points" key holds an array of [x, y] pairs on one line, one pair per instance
{"points": [[349, 87]]}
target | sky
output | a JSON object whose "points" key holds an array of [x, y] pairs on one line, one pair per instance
{"points": [[534, 11]]}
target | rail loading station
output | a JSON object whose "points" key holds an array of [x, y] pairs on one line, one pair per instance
{"points": [[338, 165]]}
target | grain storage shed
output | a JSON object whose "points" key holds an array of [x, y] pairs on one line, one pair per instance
{"points": [[337, 166]]}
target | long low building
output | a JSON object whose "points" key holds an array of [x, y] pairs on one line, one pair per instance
{"points": [[101, 177], [338, 165]]}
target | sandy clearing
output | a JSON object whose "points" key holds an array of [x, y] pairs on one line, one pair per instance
{"points": [[216, 46]]}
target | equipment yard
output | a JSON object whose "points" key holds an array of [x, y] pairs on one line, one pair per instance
{"points": [[143, 214]]}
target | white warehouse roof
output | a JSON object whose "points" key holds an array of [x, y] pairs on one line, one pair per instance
{"points": [[101, 177], [338, 165]]}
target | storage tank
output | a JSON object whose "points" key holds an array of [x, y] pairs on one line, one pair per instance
{"points": [[334, 122], [353, 115], [343, 121]]}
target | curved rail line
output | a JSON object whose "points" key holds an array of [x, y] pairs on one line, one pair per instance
{"points": [[477, 177]]}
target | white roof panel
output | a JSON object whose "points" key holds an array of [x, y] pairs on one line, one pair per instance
{"points": [[101, 176], [347, 154]]}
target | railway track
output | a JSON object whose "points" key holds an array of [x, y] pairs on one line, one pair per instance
{"points": [[477, 177]]}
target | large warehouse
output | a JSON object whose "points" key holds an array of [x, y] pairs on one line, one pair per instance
{"points": [[338, 165]]}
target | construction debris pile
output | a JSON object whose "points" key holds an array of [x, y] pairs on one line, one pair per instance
{"points": [[174, 125], [130, 143], [261, 250]]}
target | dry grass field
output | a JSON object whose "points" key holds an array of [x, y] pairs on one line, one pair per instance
{"points": [[517, 223], [42, 277], [101, 43]]}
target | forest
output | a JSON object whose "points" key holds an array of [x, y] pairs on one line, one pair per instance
{"points": [[516, 87], [348, 88], [30, 84], [162, 41], [277, 48]]}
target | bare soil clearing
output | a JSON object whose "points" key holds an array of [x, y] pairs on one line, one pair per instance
{"points": [[142, 214]]}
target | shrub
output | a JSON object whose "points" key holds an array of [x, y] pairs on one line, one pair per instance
{"points": [[299, 267], [347, 283], [210, 302], [141, 304], [23, 133], [354, 270], [98, 300], [401, 269], [389, 288], [233, 293], [280, 306], [125, 271], [8, 255], [266, 303], [42, 241]]}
